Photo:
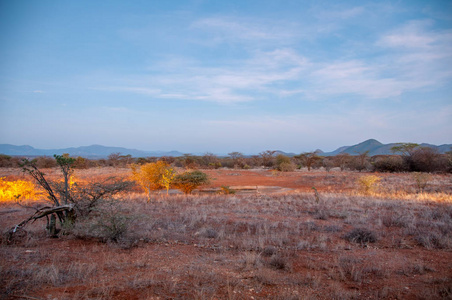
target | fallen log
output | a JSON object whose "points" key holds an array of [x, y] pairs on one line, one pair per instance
{"points": [[40, 213]]}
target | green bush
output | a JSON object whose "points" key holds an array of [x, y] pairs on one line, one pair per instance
{"points": [[188, 181], [284, 163]]}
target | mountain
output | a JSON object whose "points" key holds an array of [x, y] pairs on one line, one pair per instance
{"points": [[93, 151], [376, 148], [98, 151]]}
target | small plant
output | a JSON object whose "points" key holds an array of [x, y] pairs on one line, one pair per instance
{"points": [[226, 190], [421, 180], [278, 262], [251, 260], [369, 183], [269, 251], [316, 195], [361, 235], [209, 233], [108, 224]]}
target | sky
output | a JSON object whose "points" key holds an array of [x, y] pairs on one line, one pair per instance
{"points": [[220, 76]]}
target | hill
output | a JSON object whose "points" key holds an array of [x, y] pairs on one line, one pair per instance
{"points": [[98, 151], [93, 151], [376, 148]]}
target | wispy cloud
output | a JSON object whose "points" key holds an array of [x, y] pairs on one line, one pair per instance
{"points": [[230, 84], [410, 57]]}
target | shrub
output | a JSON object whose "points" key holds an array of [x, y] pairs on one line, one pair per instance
{"points": [[284, 164], [286, 167], [389, 164], [152, 176], [108, 223], [361, 235], [368, 183], [5, 161], [188, 181], [278, 262], [226, 190], [269, 251], [421, 180], [433, 240], [44, 162]]}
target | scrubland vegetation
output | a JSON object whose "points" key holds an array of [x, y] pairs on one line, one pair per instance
{"points": [[127, 233]]}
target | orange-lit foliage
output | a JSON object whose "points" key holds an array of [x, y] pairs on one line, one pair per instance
{"points": [[152, 176], [17, 190]]}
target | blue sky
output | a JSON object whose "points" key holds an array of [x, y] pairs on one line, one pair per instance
{"points": [[222, 76]]}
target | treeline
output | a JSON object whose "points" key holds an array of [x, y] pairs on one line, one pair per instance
{"points": [[414, 159]]}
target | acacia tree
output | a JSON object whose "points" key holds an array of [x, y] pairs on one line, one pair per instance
{"points": [[211, 161], [362, 160], [406, 150], [188, 181], [268, 158], [341, 160], [308, 159], [150, 176], [238, 159]]}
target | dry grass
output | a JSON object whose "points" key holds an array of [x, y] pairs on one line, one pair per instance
{"points": [[344, 245]]}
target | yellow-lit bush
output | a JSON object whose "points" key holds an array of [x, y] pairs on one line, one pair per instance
{"points": [[17, 190], [153, 176], [368, 184]]}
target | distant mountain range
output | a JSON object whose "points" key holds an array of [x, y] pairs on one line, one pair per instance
{"points": [[376, 148], [93, 151], [97, 151]]}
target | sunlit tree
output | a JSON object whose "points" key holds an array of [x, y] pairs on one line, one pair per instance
{"points": [[167, 178], [150, 176]]}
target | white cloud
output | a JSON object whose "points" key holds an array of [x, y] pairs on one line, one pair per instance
{"points": [[410, 57], [230, 84]]}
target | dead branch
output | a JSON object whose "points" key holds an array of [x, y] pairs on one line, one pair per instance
{"points": [[40, 213]]}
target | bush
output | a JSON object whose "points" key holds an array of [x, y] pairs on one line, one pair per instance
{"points": [[421, 180], [368, 183], [226, 190], [278, 262], [188, 181], [151, 176], [108, 223], [284, 164], [361, 235], [45, 162], [389, 164], [425, 159]]}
